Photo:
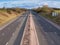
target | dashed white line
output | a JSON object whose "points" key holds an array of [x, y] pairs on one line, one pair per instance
{"points": [[7, 43]]}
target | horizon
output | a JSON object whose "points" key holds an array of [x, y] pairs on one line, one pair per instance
{"points": [[29, 3]]}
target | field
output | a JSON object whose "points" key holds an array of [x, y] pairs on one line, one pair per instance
{"points": [[57, 11], [55, 19], [7, 15]]}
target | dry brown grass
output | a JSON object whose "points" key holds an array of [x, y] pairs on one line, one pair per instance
{"points": [[6, 17]]}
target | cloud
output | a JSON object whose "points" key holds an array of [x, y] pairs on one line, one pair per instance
{"points": [[29, 3], [55, 4]]}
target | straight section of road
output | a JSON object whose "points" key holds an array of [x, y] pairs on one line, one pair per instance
{"points": [[29, 35], [7, 32], [20, 34], [47, 33]]}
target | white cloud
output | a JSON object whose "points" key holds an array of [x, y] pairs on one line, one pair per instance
{"points": [[51, 3], [29, 3]]}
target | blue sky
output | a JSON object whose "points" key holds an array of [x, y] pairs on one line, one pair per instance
{"points": [[29, 3]]}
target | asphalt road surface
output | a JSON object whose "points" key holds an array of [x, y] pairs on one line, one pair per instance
{"points": [[7, 32], [46, 32]]}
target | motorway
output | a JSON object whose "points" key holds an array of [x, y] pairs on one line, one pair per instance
{"points": [[7, 32], [47, 33]]}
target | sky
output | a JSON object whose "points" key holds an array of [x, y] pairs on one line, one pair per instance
{"points": [[29, 3]]}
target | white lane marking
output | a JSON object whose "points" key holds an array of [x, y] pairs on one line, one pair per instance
{"points": [[7, 43]]}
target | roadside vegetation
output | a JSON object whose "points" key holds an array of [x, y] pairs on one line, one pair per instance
{"points": [[46, 12], [7, 14]]}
